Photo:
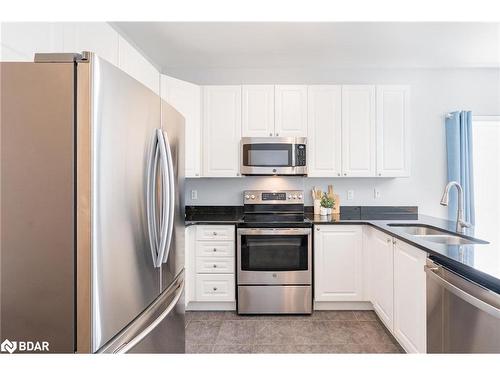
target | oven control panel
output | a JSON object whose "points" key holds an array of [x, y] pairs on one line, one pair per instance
{"points": [[273, 197]]}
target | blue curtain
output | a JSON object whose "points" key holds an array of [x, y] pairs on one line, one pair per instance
{"points": [[459, 151]]}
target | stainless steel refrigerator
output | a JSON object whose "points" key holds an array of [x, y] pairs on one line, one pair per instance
{"points": [[92, 210]]}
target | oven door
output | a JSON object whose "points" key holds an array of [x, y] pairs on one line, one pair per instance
{"points": [[269, 256], [270, 156]]}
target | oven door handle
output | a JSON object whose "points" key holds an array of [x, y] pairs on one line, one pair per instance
{"points": [[270, 231]]}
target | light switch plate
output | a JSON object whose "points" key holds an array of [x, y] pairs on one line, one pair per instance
{"points": [[376, 193], [194, 195]]}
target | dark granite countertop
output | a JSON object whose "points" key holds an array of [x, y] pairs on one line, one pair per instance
{"points": [[459, 258]]}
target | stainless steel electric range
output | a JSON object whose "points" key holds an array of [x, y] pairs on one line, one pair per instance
{"points": [[274, 254]]}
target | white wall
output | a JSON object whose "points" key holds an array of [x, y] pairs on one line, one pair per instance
{"points": [[19, 41], [434, 92]]}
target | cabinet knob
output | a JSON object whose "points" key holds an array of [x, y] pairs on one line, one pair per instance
{"points": [[345, 174], [215, 233], [214, 288], [380, 174], [317, 229], [215, 265], [338, 174], [196, 174], [215, 249], [277, 135], [270, 134]]}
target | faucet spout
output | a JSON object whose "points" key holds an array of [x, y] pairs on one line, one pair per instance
{"points": [[461, 223]]}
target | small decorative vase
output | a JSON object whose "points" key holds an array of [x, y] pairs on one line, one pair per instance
{"points": [[323, 211], [328, 211], [317, 206]]}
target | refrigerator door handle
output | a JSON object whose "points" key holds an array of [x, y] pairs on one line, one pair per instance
{"points": [[151, 213], [165, 197], [171, 205], [133, 342]]}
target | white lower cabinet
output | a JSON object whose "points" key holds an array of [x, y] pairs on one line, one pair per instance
{"points": [[381, 275], [215, 288], [338, 268], [409, 297], [397, 288], [213, 263]]}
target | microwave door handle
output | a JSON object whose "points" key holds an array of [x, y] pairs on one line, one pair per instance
{"points": [[293, 154]]}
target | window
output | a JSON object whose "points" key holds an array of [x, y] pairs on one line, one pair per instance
{"points": [[486, 159]]}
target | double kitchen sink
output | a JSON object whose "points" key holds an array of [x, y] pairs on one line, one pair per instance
{"points": [[436, 235]]}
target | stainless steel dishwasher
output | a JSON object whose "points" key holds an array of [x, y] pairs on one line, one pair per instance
{"points": [[462, 316]]}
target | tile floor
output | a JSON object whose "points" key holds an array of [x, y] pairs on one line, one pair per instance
{"points": [[321, 332]]}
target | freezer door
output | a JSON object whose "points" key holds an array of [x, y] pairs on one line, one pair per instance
{"points": [[37, 204], [124, 280], [160, 329], [173, 130]]}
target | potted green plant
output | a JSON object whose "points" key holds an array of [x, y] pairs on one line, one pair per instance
{"points": [[326, 205]]}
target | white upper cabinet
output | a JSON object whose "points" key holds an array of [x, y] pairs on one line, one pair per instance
{"points": [[338, 263], [133, 63], [324, 131], [186, 98], [409, 297], [381, 275], [257, 110], [21, 40], [290, 111], [358, 131], [221, 132], [393, 103], [97, 37]]}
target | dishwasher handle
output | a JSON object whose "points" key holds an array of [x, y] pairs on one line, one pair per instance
{"points": [[473, 300]]}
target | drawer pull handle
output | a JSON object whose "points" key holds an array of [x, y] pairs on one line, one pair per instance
{"points": [[215, 265], [215, 289], [215, 249], [215, 233]]}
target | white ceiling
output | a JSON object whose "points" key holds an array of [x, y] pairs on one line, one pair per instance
{"points": [[313, 45]]}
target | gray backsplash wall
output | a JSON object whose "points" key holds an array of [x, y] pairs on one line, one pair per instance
{"points": [[434, 92]]}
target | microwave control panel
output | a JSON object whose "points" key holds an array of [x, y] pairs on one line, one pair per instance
{"points": [[300, 155]]}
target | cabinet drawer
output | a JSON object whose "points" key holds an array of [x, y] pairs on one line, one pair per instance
{"points": [[215, 249], [215, 265], [215, 232], [215, 288]]}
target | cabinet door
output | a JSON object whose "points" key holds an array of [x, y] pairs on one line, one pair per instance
{"points": [[409, 297], [97, 37], [221, 130], [291, 110], [186, 98], [258, 110], [392, 131], [133, 63], [324, 131], [21, 40], [337, 263], [358, 131], [381, 277]]}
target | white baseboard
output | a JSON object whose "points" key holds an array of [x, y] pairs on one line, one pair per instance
{"points": [[211, 306], [362, 305]]}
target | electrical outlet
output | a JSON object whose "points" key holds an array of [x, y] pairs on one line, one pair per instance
{"points": [[194, 195], [376, 193], [350, 195]]}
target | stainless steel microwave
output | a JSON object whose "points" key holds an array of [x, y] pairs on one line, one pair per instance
{"points": [[274, 156]]}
